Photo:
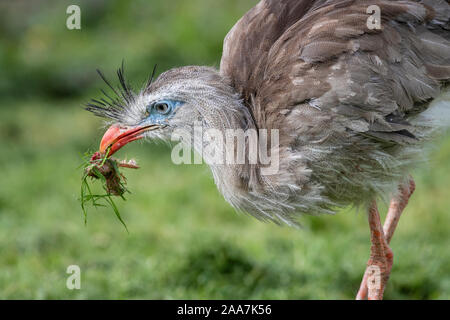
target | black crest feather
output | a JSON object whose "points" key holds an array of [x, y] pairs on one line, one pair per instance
{"points": [[113, 105]]}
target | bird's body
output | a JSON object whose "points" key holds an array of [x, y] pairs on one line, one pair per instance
{"points": [[349, 101], [343, 97]]}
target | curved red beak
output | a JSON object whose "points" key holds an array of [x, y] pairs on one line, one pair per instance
{"points": [[117, 136]]}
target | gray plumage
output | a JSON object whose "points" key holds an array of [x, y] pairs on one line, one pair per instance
{"points": [[350, 103]]}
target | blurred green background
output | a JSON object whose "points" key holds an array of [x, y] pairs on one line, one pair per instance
{"points": [[184, 240]]}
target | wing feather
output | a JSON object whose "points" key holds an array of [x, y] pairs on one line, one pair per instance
{"points": [[285, 56]]}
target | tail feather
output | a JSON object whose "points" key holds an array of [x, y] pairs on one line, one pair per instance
{"points": [[437, 115]]}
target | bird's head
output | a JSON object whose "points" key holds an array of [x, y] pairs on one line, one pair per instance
{"points": [[178, 99]]}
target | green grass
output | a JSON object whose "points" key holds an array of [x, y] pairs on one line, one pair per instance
{"points": [[184, 240], [103, 199]]}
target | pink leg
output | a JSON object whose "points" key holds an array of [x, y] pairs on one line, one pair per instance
{"points": [[379, 268], [396, 209], [380, 262]]}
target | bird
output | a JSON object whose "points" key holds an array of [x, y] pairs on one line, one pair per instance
{"points": [[348, 86]]}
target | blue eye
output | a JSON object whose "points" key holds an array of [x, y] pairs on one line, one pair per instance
{"points": [[162, 108]]}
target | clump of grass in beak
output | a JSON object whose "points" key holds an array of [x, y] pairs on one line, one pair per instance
{"points": [[104, 168]]}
